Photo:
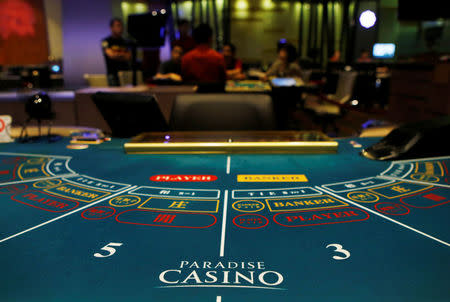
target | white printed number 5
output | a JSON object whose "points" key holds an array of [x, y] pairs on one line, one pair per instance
{"points": [[109, 249], [339, 249]]}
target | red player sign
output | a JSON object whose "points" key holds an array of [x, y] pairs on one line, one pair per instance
{"points": [[183, 178]]}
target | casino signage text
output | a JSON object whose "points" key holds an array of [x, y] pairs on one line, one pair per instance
{"points": [[221, 274]]}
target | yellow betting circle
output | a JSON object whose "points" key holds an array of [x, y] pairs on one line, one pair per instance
{"points": [[48, 183], [354, 196], [248, 211], [424, 177], [36, 161], [136, 200]]}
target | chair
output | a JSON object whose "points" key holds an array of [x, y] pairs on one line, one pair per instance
{"points": [[222, 112], [328, 108], [129, 114], [286, 101], [213, 87], [96, 80], [126, 78], [306, 75]]}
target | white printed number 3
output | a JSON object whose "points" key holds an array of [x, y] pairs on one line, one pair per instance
{"points": [[339, 249], [109, 249]]}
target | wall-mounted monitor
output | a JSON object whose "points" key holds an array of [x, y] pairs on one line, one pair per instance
{"points": [[383, 50]]}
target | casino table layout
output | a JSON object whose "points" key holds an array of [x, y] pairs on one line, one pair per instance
{"points": [[247, 86], [101, 225]]}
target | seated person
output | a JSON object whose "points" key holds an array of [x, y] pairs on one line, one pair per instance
{"points": [[285, 65], [203, 64], [233, 64], [336, 57], [171, 69], [116, 52], [364, 57]]}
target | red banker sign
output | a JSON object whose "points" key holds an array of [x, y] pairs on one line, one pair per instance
{"points": [[183, 178], [320, 217]]}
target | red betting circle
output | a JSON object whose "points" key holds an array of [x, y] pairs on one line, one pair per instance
{"points": [[379, 208], [98, 218], [251, 228], [13, 189]]}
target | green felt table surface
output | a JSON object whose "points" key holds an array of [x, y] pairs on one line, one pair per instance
{"points": [[100, 225]]}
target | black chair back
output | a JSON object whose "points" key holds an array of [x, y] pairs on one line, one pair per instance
{"points": [[129, 114], [222, 112]]}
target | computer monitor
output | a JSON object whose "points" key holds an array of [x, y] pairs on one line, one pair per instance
{"points": [[383, 50], [283, 82], [129, 114]]}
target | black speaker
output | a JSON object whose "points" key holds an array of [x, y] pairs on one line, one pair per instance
{"points": [[148, 30]]}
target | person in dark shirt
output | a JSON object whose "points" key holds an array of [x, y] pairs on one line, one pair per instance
{"points": [[285, 65], [184, 39], [203, 64], [364, 56], [171, 69], [116, 52], [233, 64]]}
